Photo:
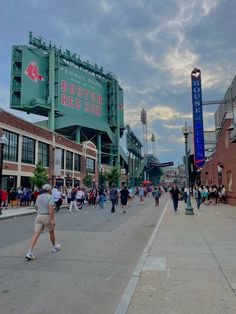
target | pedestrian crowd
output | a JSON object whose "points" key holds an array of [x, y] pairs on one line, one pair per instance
{"points": [[209, 195], [50, 199], [77, 197], [20, 197]]}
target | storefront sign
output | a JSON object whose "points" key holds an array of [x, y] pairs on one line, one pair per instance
{"points": [[57, 162]]}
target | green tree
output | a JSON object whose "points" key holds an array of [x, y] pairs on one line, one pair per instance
{"points": [[87, 180], [40, 176], [155, 175], [113, 175]]}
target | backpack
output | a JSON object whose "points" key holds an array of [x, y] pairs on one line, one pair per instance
{"points": [[198, 194], [156, 193], [73, 195]]}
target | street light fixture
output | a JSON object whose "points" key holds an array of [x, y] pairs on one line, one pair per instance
{"points": [[101, 175], [186, 131], [3, 141]]}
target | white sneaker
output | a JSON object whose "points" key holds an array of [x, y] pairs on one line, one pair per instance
{"points": [[30, 256], [56, 247]]}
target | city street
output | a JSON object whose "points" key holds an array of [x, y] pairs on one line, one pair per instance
{"points": [[99, 253]]}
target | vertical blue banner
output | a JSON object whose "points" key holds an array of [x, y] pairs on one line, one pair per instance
{"points": [[198, 133]]}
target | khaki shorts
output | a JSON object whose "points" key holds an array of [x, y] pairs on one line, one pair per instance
{"points": [[42, 223]]}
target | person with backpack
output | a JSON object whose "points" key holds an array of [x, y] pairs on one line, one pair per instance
{"points": [[73, 200], [113, 197], [156, 193]]}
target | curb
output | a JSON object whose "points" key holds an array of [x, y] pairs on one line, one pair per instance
{"points": [[125, 300], [17, 215], [33, 211]]}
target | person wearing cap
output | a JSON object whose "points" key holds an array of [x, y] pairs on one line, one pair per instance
{"points": [[44, 220]]}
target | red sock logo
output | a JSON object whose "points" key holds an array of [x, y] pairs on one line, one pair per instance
{"points": [[32, 72]]}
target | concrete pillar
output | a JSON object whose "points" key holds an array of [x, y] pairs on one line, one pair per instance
{"points": [[77, 139], [51, 117]]}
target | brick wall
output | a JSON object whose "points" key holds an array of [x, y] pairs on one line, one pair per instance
{"points": [[16, 122], [9, 121], [26, 168], [10, 166], [225, 154]]}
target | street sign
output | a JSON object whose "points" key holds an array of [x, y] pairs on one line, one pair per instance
{"points": [[160, 165], [198, 134]]}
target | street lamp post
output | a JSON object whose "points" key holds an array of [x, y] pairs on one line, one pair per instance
{"points": [[188, 209], [3, 141], [101, 178]]}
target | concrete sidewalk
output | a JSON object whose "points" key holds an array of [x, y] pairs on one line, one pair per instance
{"points": [[20, 211], [190, 267], [17, 211]]}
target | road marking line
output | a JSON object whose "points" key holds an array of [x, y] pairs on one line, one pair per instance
{"points": [[130, 289]]}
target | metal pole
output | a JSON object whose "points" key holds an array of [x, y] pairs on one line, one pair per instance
{"points": [[118, 129], [99, 160], [188, 209], [1, 165], [52, 89]]}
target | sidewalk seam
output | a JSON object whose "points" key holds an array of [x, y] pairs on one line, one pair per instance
{"points": [[214, 256], [130, 289]]}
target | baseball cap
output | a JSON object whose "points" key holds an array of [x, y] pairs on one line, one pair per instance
{"points": [[46, 187]]}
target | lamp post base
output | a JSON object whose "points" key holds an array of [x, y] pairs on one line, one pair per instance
{"points": [[189, 210]]}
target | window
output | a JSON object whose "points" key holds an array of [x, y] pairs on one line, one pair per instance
{"points": [[230, 181], [43, 155], [62, 159], [28, 150], [69, 160], [25, 182], [90, 165], [59, 182], [234, 113], [11, 149], [77, 162]]}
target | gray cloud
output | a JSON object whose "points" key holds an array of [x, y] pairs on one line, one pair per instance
{"points": [[151, 46]]}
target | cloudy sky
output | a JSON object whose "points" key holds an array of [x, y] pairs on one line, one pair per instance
{"points": [[150, 45]]}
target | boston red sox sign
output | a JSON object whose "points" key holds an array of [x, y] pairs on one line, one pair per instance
{"points": [[199, 151]]}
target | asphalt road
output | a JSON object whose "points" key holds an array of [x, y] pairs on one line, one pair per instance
{"points": [[99, 253]]}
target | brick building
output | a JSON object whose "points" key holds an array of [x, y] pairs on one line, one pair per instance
{"points": [[29, 143], [220, 168]]}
